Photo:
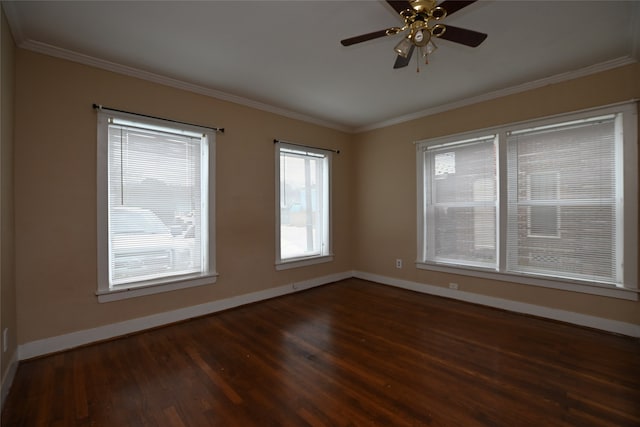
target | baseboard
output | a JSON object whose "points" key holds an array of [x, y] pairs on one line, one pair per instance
{"points": [[87, 336], [608, 325], [67, 341], [7, 378]]}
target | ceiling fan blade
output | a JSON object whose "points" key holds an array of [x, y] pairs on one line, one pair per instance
{"points": [[463, 36], [452, 6], [368, 36], [399, 5], [402, 61]]}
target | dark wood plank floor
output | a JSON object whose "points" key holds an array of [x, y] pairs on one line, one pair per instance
{"points": [[348, 354]]}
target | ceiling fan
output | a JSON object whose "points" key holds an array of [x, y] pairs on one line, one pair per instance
{"points": [[418, 16]]}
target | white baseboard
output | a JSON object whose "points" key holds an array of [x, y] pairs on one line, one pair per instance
{"points": [[608, 325], [7, 378], [87, 336]]}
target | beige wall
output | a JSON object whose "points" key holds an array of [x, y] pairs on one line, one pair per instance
{"points": [[374, 192], [385, 188], [55, 194], [7, 273]]}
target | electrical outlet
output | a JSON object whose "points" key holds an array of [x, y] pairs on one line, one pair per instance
{"points": [[398, 263], [453, 285], [5, 339]]}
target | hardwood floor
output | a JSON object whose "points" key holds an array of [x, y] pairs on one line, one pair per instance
{"points": [[348, 354]]}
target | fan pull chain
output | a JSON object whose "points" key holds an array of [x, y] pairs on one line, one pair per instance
{"points": [[424, 53]]}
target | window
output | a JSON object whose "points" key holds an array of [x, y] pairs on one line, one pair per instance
{"points": [[155, 205], [550, 202], [563, 181], [462, 207], [303, 200]]}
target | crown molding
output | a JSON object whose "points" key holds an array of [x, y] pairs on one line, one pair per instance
{"points": [[47, 49], [73, 56], [558, 78]]}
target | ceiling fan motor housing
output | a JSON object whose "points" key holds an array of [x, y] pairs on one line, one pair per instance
{"points": [[417, 20], [422, 6]]}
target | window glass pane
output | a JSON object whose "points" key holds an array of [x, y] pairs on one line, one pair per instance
{"points": [[303, 204], [562, 202], [544, 211], [543, 221], [465, 235], [155, 200]]}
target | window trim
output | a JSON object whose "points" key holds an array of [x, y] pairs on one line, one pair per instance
{"points": [[327, 254], [628, 163], [107, 293]]}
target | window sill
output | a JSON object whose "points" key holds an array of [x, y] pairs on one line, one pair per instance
{"points": [[593, 289], [134, 290], [302, 262]]}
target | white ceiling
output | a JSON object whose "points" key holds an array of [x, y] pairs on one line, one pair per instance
{"points": [[285, 56]]}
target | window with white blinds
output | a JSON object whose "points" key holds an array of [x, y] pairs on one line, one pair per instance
{"points": [[154, 202], [554, 201], [460, 190], [564, 201], [303, 205]]}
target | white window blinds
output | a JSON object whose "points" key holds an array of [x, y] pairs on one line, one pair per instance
{"points": [[563, 210], [461, 202], [157, 202], [550, 202]]}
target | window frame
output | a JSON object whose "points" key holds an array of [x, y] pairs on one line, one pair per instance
{"points": [[627, 161], [326, 254], [106, 292]]}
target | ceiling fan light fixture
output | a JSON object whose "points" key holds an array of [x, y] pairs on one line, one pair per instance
{"points": [[430, 48], [425, 51], [403, 47], [422, 37], [420, 34]]}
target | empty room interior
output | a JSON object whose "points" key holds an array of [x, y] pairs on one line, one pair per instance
{"points": [[323, 213]]}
